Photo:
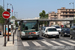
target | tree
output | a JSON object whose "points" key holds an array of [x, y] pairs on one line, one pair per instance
{"points": [[1, 18], [43, 15], [16, 24], [13, 17]]}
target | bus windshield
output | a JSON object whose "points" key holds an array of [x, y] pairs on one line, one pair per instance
{"points": [[30, 26]]}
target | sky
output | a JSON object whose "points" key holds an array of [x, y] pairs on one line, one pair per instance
{"points": [[31, 8]]}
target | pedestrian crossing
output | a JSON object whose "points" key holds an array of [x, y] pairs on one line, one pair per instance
{"points": [[25, 44], [67, 43], [58, 43], [49, 43], [36, 43]]}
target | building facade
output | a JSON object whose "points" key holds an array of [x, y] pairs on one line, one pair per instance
{"points": [[61, 14]]}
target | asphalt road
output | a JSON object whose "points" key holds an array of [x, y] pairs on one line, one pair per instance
{"points": [[43, 43]]}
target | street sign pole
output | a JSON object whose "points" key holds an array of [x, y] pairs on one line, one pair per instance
{"points": [[5, 34], [6, 15], [13, 37]]}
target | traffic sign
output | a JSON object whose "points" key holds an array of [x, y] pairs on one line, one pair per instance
{"points": [[6, 14]]}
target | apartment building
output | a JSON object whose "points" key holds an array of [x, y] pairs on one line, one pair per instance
{"points": [[61, 14]]}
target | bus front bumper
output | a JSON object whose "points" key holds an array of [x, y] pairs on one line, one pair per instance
{"points": [[30, 36]]}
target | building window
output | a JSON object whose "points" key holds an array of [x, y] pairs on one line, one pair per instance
{"points": [[66, 15], [71, 12], [72, 9], [69, 9], [63, 16], [71, 16]]}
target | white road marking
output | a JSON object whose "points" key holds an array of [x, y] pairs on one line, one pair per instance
{"points": [[67, 42], [71, 41], [57, 43], [25, 44], [48, 44], [36, 43]]}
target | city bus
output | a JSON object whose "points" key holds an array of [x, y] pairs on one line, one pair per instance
{"points": [[29, 29]]}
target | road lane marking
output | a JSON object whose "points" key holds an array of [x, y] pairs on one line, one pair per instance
{"points": [[45, 42], [36, 43], [72, 41], [67, 42], [25, 44], [57, 43]]}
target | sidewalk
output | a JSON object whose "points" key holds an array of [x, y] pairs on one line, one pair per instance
{"points": [[9, 44]]}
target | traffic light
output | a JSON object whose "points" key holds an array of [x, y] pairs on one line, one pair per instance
{"points": [[8, 10]]}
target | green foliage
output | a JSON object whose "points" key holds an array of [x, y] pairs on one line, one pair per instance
{"points": [[43, 15], [1, 18], [13, 17], [16, 24]]}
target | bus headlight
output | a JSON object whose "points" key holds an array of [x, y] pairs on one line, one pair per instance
{"points": [[22, 33], [37, 33]]}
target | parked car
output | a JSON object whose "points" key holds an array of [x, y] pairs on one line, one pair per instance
{"points": [[50, 32], [58, 28], [65, 31], [72, 32]]}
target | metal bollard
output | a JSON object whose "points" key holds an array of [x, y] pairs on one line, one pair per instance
{"points": [[8, 33], [13, 37]]}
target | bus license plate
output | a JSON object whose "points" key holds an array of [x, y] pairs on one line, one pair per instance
{"points": [[30, 37]]}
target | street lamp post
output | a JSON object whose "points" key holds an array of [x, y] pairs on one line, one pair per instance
{"points": [[7, 5], [3, 4], [16, 13], [8, 23], [73, 7], [73, 10], [12, 9]]}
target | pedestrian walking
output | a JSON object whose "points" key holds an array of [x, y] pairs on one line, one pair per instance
{"points": [[19, 28]]}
